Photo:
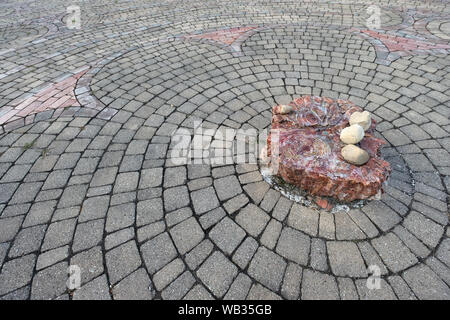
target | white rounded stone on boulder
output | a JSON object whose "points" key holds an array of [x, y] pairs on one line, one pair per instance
{"points": [[364, 119], [354, 155], [284, 109], [352, 134]]}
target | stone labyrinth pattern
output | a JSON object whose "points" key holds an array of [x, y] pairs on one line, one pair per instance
{"points": [[92, 182]]}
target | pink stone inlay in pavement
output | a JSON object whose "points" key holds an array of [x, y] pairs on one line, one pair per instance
{"points": [[395, 43], [58, 95], [227, 36]]}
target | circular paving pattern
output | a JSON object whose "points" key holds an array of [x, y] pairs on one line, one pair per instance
{"points": [[104, 188]]}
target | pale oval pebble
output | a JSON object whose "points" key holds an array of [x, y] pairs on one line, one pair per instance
{"points": [[352, 134], [364, 119], [354, 155], [284, 109]]}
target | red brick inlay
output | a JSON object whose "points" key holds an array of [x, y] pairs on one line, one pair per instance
{"points": [[396, 43], [58, 95], [226, 36]]}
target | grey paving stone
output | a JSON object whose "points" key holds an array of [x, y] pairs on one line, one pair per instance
{"points": [[6, 191], [245, 252], [198, 171], [136, 286], [363, 223], [50, 283], [157, 252], [149, 211], [104, 176], [345, 259], [122, 260], [90, 263], [394, 253], [267, 268], [27, 240], [318, 260], [200, 183], [151, 178], [198, 293], [177, 216], [97, 289], [385, 292], [439, 268], [443, 252], [227, 235], [26, 192], [327, 228], [116, 238], [318, 286], [57, 179], [414, 244], [15, 173], [168, 273], [174, 176], [51, 257], [236, 203], [126, 182], [291, 282], [239, 288], [44, 164], [345, 228], [88, 235], [227, 187], [67, 161], [16, 273], [401, 288], [9, 228], [3, 249], [294, 245], [204, 200], [252, 219], [16, 210], [257, 190], [270, 200], [424, 229], [186, 235], [65, 213], [271, 233], [177, 289], [72, 196], [347, 289], [259, 293], [211, 218], [19, 294], [217, 273], [122, 198], [371, 257], [40, 213], [119, 217], [384, 217], [197, 255], [304, 219], [175, 198], [58, 234]]}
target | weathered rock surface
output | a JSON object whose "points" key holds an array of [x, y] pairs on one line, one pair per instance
{"points": [[304, 149]]}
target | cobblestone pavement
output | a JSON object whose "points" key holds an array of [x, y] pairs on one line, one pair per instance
{"points": [[87, 118]]}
